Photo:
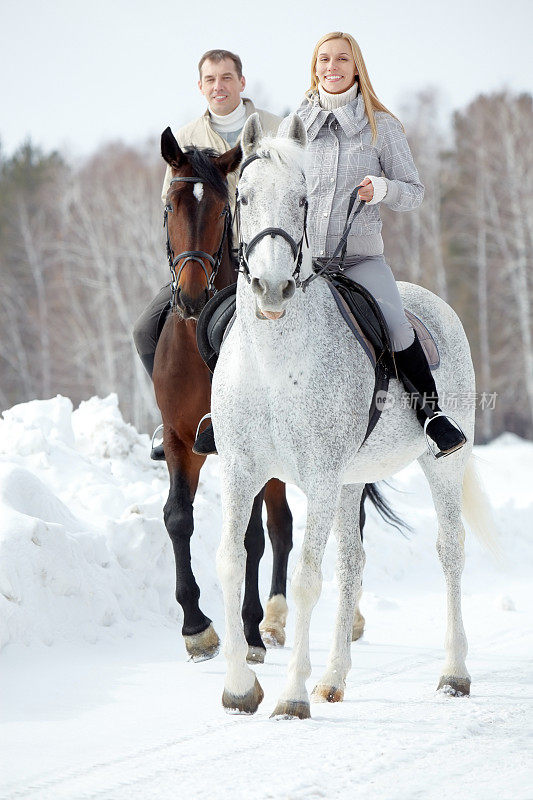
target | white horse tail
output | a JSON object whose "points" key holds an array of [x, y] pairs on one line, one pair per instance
{"points": [[477, 510]]}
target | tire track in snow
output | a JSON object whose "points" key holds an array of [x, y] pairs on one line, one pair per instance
{"points": [[141, 761], [19, 792]]}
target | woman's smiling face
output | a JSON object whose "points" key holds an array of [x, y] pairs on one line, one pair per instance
{"points": [[335, 66]]}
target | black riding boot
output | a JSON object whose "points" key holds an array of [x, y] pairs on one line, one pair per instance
{"points": [[414, 371], [205, 443]]}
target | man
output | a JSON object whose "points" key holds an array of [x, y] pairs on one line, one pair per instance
{"points": [[221, 82]]}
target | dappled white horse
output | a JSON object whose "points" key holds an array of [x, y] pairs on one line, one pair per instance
{"points": [[290, 400]]}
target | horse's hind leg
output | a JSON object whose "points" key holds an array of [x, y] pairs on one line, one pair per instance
{"points": [[446, 482], [200, 637], [350, 564], [358, 626], [252, 610], [279, 524]]}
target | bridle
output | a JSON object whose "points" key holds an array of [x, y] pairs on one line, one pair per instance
{"points": [[246, 249], [194, 255], [318, 267]]}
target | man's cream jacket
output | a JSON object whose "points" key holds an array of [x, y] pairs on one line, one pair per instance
{"points": [[200, 133]]}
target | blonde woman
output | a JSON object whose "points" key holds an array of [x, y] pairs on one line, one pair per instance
{"points": [[353, 140]]}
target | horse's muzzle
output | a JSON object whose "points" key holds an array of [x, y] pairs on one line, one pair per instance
{"points": [[191, 307], [268, 314], [271, 298]]}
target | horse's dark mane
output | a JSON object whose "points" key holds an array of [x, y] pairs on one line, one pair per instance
{"points": [[200, 159]]}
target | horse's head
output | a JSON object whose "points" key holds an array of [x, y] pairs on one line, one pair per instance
{"points": [[198, 218], [272, 205]]}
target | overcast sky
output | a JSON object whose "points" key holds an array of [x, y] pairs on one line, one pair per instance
{"points": [[75, 74]]}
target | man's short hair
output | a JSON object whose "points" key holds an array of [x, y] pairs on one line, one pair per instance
{"points": [[220, 55]]}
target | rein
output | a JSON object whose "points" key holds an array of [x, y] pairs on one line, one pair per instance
{"points": [[194, 255], [343, 242], [245, 249]]}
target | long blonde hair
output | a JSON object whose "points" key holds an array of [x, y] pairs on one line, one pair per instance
{"points": [[365, 86]]}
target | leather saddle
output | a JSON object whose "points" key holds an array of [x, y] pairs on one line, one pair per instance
{"points": [[360, 312]]}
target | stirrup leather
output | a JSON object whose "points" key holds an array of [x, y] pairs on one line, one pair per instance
{"points": [[432, 446]]}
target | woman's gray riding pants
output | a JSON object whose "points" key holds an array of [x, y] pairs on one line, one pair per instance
{"points": [[375, 275]]}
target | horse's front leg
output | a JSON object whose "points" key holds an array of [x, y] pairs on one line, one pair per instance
{"points": [[350, 564], [242, 691], [306, 584], [446, 482], [279, 524], [252, 610], [200, 637]]}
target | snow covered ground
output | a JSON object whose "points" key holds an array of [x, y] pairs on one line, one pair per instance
{"points": [[99, 701]]}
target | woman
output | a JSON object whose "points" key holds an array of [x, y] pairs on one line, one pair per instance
{"points": [[354, 140]]}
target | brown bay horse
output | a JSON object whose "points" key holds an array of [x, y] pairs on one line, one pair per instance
{"points": [[199, 241]]}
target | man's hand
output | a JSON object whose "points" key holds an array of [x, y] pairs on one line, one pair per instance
{"points": [[366, 192]]}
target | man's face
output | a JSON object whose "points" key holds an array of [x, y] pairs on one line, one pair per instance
{"points": [[221, 86]]}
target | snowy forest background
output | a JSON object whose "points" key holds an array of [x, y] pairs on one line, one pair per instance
{"points": [[82, 253]]}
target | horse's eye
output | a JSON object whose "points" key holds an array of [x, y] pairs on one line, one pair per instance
{"points": [[303, 201], [168, 208], [244, 201]]}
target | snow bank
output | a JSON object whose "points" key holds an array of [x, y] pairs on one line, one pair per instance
{"points": [[84, 554], [83, 549]]}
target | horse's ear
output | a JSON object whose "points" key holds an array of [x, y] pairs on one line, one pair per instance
{"points": [[252, 133], [228, 162], [296, 130], [170, 149]]}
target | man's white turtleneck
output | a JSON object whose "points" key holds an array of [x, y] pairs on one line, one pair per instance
{"points": [[331, 101], [229, 125]]}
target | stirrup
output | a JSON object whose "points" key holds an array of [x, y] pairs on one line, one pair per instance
{"points": [[432, 446], [156, 433], [205, 416]]}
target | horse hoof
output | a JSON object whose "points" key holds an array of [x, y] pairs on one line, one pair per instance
{"points": [[358, 626], [256, 655], [272, 628], [245, 703], [327, 694], [273, 636], [455, 687], [202, 646], [292, 709]]}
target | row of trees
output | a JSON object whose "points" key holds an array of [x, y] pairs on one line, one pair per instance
{"points": [[471, 242], [82, 252]]}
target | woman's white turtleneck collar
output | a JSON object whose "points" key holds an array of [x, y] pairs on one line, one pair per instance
{"points": [[331, 101], [229, 122]]}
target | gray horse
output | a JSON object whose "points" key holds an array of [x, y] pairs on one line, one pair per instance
{"points": [[290, 399]]}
